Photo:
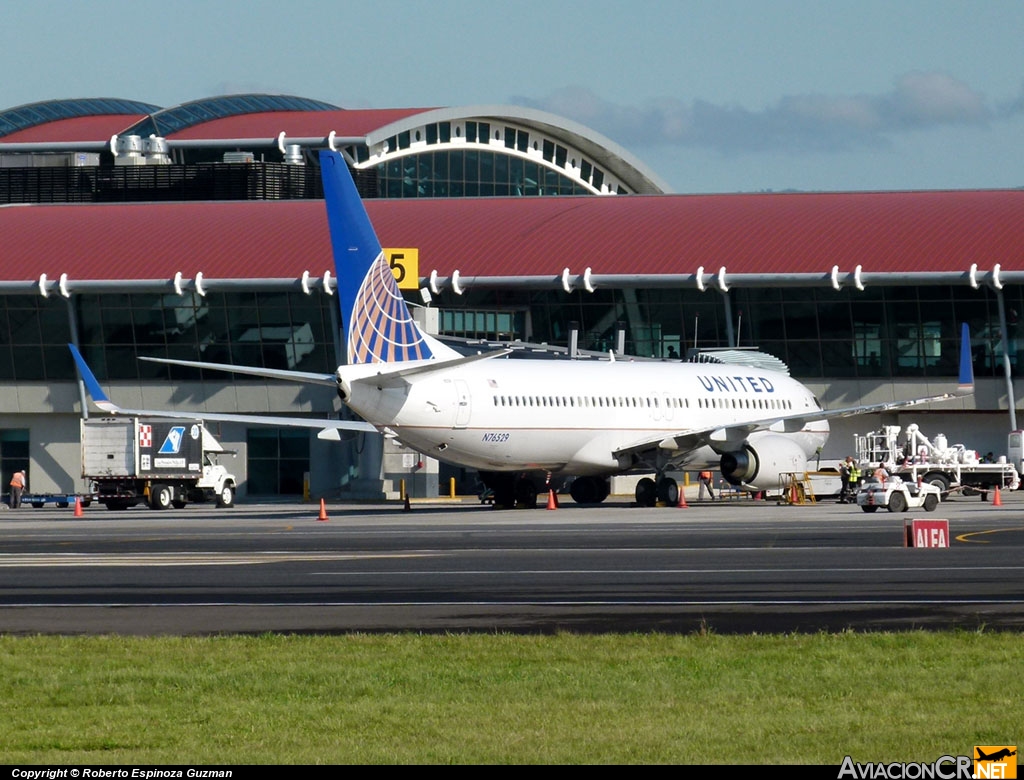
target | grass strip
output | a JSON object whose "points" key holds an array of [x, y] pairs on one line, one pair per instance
{"points": [[495, 699]]}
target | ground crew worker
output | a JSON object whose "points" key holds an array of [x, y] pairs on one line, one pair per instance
{"points": [[705, 482], [853, 480], [844, 477], [17, 488]]}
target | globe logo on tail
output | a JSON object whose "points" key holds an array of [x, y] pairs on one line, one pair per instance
{"points": [[382, 329]]}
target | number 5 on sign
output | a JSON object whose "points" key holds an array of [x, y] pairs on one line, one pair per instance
{"points": [[405, 265]]}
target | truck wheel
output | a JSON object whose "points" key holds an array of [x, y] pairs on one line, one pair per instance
{"points": [[160, 497], [179, 504], [897, 503], [869, 508], [226, 497], [937, 479], [930, 502]]}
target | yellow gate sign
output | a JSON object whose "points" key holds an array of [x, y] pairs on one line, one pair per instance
{"points": [[405, 265]]}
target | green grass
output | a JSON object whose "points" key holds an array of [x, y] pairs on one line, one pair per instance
{"points": [[644, 698]]}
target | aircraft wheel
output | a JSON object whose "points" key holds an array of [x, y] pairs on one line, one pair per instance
{"points": [[646, 492], [930, 502], [897, 503], [668, 491], [588, 490]]}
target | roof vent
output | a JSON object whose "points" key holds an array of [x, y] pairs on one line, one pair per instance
{"points": [[293, 155], [128, 150], [156, 150]]}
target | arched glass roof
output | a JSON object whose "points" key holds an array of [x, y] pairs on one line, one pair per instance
{"points": [[167, 121], [32, 114]]}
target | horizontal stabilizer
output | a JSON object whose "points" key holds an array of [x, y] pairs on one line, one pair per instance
{"points": [[395, 375], [305, 377], [101, 400]]}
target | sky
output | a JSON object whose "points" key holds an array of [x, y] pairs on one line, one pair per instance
{"points": [[711, 95]]}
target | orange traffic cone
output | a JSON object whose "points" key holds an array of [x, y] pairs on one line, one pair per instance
{"points": [[323, 512], [78, 506], [997, 499], [681, 503], [552, 501]]}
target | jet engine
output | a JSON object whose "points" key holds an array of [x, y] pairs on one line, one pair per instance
{"points": [[758, 465]]}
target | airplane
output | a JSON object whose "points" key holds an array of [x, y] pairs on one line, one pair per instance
{"points": [[521, 422], [999, 755]]}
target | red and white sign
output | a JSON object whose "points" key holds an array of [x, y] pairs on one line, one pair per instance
{"points": [[145, 435], [929, 533]]}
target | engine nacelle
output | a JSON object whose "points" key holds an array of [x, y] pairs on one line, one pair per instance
{"points": [[758, 466]]}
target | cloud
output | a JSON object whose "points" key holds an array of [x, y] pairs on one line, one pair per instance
{"points": [[795, 123]]}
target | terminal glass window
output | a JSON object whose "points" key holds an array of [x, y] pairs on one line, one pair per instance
{"points": [[277, 461], [13, 455], [34, 334], [492, 325], [269, 330], [470, 173]]}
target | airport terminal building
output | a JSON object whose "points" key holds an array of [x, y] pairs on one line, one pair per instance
{"points": [[198, 232]]}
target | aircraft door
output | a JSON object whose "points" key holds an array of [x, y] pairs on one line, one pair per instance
{"points": [[463, 403]]}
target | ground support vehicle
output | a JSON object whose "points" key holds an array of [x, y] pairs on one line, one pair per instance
{"points": [[897, 495], [39, 500], [913, 457], [62, 500], [161, 462]]}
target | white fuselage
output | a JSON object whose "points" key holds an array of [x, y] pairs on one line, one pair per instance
{"points": [[571, 416]]}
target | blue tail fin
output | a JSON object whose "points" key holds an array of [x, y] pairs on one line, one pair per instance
{"points": [[91, 384], [378, 325], [966, 360]]}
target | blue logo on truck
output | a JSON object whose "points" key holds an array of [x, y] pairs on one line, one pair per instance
{"points": [[172, 444]]}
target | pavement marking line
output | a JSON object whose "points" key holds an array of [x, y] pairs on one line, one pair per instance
{"points": [[967, 536], [31, 560]]}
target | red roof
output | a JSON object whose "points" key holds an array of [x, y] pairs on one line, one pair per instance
{"points": [[636, 234], [300, 124], [81, 128]]}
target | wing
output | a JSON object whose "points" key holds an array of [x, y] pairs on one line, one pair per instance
{"points": [[729, 436], [726, 437], [328, 427]]}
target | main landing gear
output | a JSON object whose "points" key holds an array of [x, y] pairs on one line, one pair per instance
{"points": [[664, 490], [589, 490], [510, 491], [520, 491]]}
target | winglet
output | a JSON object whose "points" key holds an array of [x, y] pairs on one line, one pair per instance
{"points": [[91, 384], [966, 363]]}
